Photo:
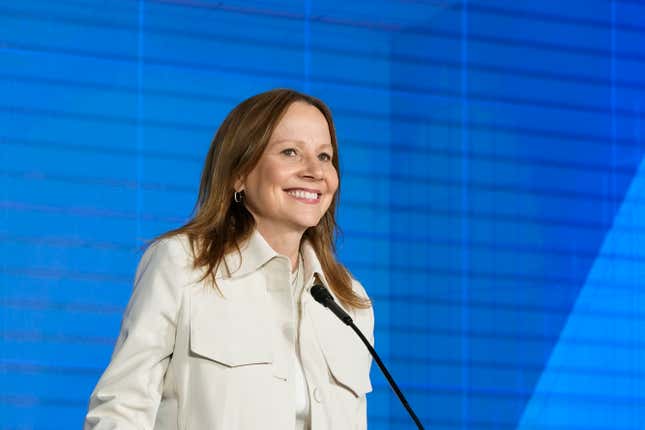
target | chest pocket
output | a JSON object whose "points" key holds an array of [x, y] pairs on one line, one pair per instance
{"points": [[348, 360], [231, 331]]}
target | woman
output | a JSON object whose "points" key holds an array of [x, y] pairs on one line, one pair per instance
{"points": [[221, 332]]}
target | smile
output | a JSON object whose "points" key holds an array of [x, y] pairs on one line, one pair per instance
{"points": [[305, 196]]}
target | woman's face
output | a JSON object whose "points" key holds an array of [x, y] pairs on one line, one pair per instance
{"points": [[294, 182]]}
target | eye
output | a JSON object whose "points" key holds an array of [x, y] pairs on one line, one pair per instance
{"points": [[289, 152], [325, 156]]}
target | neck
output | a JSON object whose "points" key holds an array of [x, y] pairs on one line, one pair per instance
{"points": [[285, 243]]}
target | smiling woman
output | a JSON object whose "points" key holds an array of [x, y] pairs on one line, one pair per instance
{"points": [[221, 331], [295, 181]]}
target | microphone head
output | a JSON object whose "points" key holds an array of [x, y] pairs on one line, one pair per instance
{"points": [[324, 297], [321, 295]]}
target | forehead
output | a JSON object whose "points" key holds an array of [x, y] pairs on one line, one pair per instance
{"points": [[302, 121]]}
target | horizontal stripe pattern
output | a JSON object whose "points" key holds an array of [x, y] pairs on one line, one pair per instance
{"points": [[486, 148]]}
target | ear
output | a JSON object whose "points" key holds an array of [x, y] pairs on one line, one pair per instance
{"points": [[239, 184]]}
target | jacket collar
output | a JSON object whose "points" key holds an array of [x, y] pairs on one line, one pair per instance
{"points": [[256, 252], [311, 264]]}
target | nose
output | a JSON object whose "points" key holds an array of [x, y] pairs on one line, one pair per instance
{"points": [[312, 168]]}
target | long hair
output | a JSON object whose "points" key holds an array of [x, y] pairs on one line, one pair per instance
{"points": [[219, 226]]}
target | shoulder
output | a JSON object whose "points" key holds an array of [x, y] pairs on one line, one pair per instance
{"points": [[163, 273], [167, 254], [363, 317], [176, 247], [359, 289]]}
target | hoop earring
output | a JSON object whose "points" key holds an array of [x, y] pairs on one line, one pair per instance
{"points": [[238, 196]]}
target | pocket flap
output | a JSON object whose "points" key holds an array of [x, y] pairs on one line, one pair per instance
{"points": [[230, 332]]}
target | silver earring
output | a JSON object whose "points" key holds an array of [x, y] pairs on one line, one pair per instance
{"points": [[237, 196]]}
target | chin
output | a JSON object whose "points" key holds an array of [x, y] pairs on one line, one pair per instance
{"points": [[308, 223], [305, 226]]}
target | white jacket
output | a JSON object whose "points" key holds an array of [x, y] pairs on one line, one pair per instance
{"points": [[189, 358]]}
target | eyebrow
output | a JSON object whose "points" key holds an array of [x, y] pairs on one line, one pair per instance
{"points": [[300, 142]]}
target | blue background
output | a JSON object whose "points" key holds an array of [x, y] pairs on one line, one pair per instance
{"points": [[493, 190]]}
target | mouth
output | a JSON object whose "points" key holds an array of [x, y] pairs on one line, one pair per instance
{"points": [[304, 195]]}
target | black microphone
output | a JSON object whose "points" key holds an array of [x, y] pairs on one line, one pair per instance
{"points": [[322, 296]]}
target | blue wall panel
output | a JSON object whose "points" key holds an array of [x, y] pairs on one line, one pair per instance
{"points": [[491, 193]]}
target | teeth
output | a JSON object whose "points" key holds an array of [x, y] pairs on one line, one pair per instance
{"points": [[303, 194]]}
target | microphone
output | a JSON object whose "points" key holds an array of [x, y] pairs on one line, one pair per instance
{"points": [[324, 297]]}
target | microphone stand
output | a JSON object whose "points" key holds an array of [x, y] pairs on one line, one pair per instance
{"points": [[322, 296]]}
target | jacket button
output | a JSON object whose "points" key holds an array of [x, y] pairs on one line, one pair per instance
{"points": [[317, 396]]}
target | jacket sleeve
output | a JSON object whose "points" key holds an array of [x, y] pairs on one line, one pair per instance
{"points": [[128, 393]]}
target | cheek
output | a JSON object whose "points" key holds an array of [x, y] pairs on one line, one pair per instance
{"points": [[333, 181], [276, 174], [268, 178]]}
